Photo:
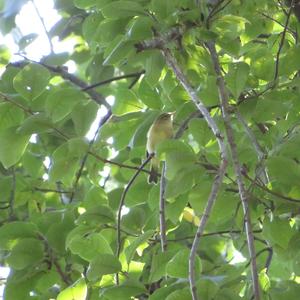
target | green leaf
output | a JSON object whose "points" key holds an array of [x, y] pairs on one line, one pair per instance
{"points": [[209, 91], [10, 115], [117, 50], [96, 215], [12, 232], [164, 292], [65, 160], [27, 252], [61, 102], [182, 294], [83, 116], [36, 123], [109, 29], [90, 23], [84, 3], [126, 290], [154, 65], [27, 40], [103, 264], [163, 9], [264, 280], [140, 29], [31, 81], [200, 131], [13, 145], [77, 291], [94, 197], [175, 207], [178, 156], [178, 266], [278, 232], [237, 77], [125, 102], [88, 245], [159, 263], [283, 170], [122, 9], [149, 96], [136, 192], [184, 178], [130, 250]]}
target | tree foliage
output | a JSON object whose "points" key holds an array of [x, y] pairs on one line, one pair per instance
{"points": [[61, 191]]}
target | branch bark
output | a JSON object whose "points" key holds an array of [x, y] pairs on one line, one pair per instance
{"points": [[173, 64], [261, 170], [162, 219], [237, 166], [135, 75], [121, 205]]}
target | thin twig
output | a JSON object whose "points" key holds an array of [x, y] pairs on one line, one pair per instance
{"points": [[53, 260], [44, 26], [279, 23], [44, 190], [215, 10], [173, 64], [264, 188], [230, 231], [237, 166], [269, 249], [85, 157], [282, 40], [135, 75], [282, 7], [120, 165], [8, 99], [162, 218], [121, 205], [184, 125], [66, 279], [261, 168]]}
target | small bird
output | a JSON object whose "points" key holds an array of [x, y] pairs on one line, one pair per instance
{"points": [[161, 129]]}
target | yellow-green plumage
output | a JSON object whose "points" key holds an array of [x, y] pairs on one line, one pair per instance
{"points": [[161, 129]]}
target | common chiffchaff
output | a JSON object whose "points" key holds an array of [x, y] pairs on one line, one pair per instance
{"points": [[161, 129]]}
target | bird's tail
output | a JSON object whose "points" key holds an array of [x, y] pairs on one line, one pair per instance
{"points": [[153, 176]]}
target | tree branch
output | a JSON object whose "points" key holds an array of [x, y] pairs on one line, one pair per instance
{"points": [[171, 61], [121, 205], [279, 23], [53, 260], [264, 188], [120, 165], [160, 41], [282, 40], [20, 106], [261, 168], [135, 75], [237, 167], [230, 231], [162, 219]]}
